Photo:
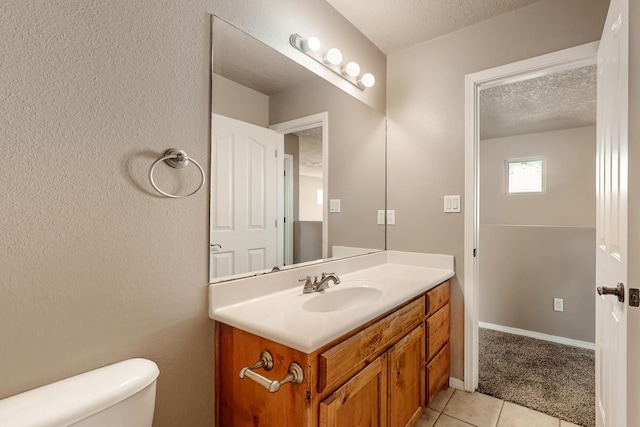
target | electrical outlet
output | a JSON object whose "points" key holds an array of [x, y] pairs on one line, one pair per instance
{"points": [[380, 217], [558, 304]]}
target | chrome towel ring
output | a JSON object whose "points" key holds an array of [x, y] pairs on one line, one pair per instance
{"points": [[176, 159]]}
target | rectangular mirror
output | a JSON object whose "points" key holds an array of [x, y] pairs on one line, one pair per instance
{"points": [[297, 164]]}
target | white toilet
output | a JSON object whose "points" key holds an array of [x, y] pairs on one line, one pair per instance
{"points": [[122, 395]]}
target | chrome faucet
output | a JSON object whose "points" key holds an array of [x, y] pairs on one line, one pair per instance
{"points": [[324, 281], [317, 286]]}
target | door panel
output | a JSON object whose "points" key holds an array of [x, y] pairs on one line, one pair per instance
{"points": [[611, 217], [244, 197], [406, 379]]}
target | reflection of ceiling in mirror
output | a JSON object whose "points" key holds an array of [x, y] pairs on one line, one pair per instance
{"points": [[310, 154], [249, 62], [561, 100]]}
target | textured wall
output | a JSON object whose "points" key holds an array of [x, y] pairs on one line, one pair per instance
{"points": [[425, 105], [95, 267]]}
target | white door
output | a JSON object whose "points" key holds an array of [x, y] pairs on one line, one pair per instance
{"points": [[611, 218], [244, 188]]}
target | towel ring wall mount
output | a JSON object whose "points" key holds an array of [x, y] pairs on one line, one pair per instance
{"points": [[177, 159]]}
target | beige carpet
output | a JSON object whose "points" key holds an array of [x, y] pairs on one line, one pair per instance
{"points": [[556, 379]]}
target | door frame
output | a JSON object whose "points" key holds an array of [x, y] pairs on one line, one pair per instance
{"points": [[304, 123], [288, 208], [562, 60]]}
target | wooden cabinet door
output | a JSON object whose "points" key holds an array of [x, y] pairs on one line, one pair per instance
{"points": [[437, 373], [406, 379], [361, 401]]}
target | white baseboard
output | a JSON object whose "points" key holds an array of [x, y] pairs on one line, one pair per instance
{"points": [[456, 383], [538, 335]]}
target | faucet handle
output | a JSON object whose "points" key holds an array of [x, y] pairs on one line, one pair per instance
{"points": [[309, 286]]}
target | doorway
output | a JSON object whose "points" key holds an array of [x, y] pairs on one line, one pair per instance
{"points": [[536, 260], [305, 142], [568, 59]]}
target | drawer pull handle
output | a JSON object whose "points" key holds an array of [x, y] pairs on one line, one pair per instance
{"points": [[295, 374]]}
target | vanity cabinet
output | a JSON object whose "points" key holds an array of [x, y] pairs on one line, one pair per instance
{"points": [[375, 375]]}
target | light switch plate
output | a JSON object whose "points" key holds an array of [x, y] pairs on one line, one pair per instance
{"points": [[391, 217], [558, 304], [334, 205], [452, 203], [381, 217]]}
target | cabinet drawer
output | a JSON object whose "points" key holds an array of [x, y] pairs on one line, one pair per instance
{"points": [[437, 372], [437, 331], [437, 297], [345, 359]]}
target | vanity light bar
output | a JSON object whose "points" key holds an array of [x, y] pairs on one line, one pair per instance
{"points": [[332, 60]]}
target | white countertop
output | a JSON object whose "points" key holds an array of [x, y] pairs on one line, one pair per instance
{"points": [[278, 314]]}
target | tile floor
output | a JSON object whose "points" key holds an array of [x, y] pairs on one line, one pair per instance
{"points": [[457, 408]]}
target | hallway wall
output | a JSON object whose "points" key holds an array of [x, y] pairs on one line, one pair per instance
{"points": [[425, 105]]}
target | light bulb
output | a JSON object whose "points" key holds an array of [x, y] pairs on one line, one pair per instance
{"points": [[333, 56], [313, 44], [351, 69], [367, 80]]}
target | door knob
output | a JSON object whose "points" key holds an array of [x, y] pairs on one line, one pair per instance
{"points": [[617, 291]]}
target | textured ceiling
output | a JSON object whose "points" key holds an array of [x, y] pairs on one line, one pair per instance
{"points": [[561, 100], [245, 60], [310, 155], [397, 24]]}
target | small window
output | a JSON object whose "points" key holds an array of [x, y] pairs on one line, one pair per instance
{"points": [[525, 176]]}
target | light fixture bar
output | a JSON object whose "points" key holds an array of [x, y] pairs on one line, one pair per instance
{"points": [[332, 60]]}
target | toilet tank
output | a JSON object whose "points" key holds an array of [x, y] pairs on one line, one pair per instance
{"points": [[122, 395]]}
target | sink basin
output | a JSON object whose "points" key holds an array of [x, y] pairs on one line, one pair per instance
{"points": [[342, 299]]}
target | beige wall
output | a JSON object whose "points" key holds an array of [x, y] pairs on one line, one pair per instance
{"points": [[357, 142], [425, 105], [536, 247], [570, 195], [96, 267], [523, 268], [310, 210], [239, 102]]}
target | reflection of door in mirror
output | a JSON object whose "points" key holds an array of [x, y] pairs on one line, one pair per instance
{"points": [[244, 196]]}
